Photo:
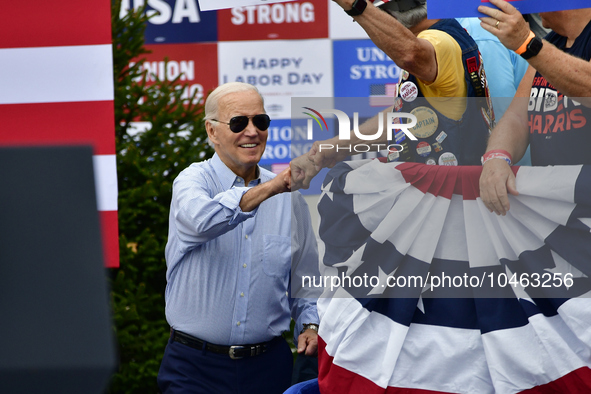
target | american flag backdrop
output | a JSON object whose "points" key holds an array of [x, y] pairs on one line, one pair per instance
{"points": [[412, 220], [56, 88]]}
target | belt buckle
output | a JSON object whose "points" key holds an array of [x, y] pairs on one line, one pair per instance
{"points": [[232, 351]]}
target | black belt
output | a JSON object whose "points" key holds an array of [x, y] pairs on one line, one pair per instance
{"points": [[234, 352]]}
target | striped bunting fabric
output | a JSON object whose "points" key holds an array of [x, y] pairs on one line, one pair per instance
{"points": [[56, 88], [499, 304]]}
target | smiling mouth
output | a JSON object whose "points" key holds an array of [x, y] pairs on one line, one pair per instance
{"points": [[248, 145]]}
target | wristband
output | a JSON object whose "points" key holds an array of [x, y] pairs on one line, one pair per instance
{"points": [[523, 46], [497, 154], [358, 8]]}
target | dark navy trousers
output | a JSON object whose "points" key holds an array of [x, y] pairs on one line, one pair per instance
{"points": [[190, 371]]}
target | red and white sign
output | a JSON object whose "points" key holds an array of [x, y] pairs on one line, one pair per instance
{"points": [[195, 64], [292, 20], [56, 74]]}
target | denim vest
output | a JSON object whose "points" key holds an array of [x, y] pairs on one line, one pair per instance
{"points": [[453, 142]]}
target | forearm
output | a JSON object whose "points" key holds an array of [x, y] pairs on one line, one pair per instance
{"points": [[256, 195], [568, 74], [510, 134], [409, 52], [512, 131]]}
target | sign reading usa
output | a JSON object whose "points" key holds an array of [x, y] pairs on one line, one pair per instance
{"points": [[291, 20], [174, 21]]}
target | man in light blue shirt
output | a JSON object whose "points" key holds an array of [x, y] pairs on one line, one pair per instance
{"points": [[234, 231]]}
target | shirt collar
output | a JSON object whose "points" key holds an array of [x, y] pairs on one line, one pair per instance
{"points": [[226, 175]]}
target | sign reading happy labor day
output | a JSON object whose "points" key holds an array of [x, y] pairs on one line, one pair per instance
{"points": [[208, 5], [469, 8]]}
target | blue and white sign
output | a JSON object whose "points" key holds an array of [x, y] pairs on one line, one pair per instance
{"points": [[278, 148], [469, 8], [359, 64], [280, 69]]}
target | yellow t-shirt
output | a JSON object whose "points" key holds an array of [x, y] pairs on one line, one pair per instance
{"points": [[449, 71]]}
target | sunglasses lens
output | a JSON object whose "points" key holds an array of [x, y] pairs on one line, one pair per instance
{"points": [[261, 121], [238, 123]]}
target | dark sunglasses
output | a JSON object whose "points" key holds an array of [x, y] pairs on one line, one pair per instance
{"points": [[239, 123]]}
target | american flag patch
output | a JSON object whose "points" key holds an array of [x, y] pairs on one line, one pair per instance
{"points": [[382, 95]]}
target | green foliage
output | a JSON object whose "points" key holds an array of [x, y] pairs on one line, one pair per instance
{"points": [[147, 164]]}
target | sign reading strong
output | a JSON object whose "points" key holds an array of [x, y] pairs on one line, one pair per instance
{"points": [[298, 19]]}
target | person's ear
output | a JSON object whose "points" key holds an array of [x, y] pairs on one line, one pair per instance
{"points": [[211, 132]]}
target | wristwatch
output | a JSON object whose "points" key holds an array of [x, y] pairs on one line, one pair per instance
{"points": [[358, 8], [533, 48], [312, 326]]}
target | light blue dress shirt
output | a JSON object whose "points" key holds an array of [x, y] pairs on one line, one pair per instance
{"points": [[228, 271], [504, 70]]}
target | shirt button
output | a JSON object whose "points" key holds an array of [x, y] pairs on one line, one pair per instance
{"points": [[238, 323], [244, 265], [246, 236], [241, 294], [287, 294]]}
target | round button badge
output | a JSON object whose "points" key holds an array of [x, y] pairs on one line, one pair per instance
{"points": [[423, 149], [409, 91], [427, 122], [448, 159]]}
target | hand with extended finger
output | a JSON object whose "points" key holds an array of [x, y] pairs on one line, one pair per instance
{"points": [[496, 180], [506, 23]]}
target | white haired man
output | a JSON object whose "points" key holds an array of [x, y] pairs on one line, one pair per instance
{"points": [[229, 258]]}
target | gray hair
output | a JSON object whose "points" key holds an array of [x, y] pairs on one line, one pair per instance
{"points": [[411, 17], [211, 104]]}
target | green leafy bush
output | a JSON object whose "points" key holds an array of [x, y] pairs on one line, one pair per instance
{"points": [[147, 164]]}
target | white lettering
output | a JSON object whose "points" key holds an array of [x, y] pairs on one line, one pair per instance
{"points": [[237, 16], [277, 13], [187, 70], [161, 12], [185, 9], [274, 14]]}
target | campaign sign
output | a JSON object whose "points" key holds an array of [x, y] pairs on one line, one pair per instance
{"points": [[207, 5], [469, 8], [280, 69], [175, 21], [278, 149], [292, 20], [363, 70], [342, 26], [194, 64]]}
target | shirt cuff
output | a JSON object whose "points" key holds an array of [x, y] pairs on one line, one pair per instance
{"points": [[231, 200], [308, 316]]}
